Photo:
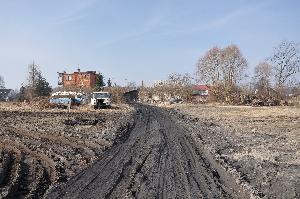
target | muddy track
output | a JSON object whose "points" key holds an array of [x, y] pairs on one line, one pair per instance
{"points": [[158, 159]]}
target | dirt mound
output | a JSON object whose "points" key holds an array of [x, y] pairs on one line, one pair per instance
{"points": [[41, 103]]}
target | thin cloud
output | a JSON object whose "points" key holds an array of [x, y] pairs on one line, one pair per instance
{"points": [[229, 17], [157, 19], [75, 14], [69, 19], [161, 19]]}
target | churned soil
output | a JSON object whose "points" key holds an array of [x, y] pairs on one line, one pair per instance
{"points": [[158, 158], [40, 148], [259, 145], [143, 151]]}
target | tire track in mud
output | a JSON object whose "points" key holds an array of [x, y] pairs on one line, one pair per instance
{"points": [[158, 159]]}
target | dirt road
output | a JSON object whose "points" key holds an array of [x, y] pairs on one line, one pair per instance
{"points": [[157, 159]]}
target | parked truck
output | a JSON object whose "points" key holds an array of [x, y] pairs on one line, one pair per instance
{"points": [[101, 100], [66, 99]]}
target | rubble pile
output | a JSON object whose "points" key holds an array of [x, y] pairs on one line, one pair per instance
{"points": [[165, 95], [41, 103], [41, 148]]}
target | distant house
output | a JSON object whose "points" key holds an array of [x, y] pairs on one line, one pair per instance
{"points": [[4, 94], [158, 83], [200, 93], [78, 79]]}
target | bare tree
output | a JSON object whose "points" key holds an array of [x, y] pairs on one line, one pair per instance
{"points": [[233, 65], [286, 63], [2, 83], [226, 65], [223, 69], [209, 66], [180, 86], [263, 70], [131, 85], [34, 74], [109, 83], [179, 79], [262, 78]]}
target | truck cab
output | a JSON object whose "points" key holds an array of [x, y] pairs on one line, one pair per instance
{"points": [[101, 100]]}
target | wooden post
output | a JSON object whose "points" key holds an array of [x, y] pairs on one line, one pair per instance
{"points": [[69, 106]]}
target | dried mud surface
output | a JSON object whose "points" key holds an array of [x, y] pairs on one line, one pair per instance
{"points": [[258, 145], [41, 148], [183, 151], [158, 158]]}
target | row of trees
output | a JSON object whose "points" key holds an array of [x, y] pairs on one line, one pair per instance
{"points": [[224, 69], [221, 68]]}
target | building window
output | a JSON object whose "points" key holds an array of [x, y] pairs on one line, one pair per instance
{"points": [[69, 77]]}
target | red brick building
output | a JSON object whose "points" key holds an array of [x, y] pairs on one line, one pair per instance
{"points": [[78, 79]]}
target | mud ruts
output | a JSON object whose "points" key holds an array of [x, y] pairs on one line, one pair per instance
{"points": [[157, 159]]}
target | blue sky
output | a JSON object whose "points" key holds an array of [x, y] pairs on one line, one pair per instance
{"points": [[136, 39]]}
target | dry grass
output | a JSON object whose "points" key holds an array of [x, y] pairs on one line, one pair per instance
{"points": [[261, 143], [280, 125], [285, 118], [245, 111]]}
